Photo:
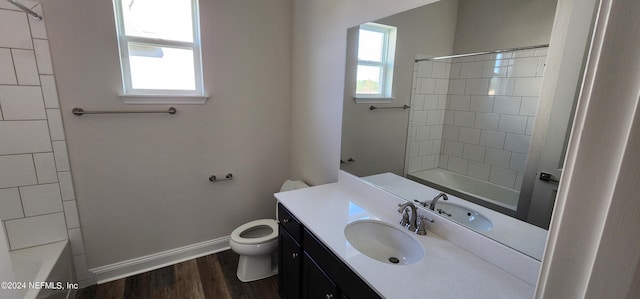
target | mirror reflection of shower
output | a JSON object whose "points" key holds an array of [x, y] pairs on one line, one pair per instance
{"points": [[471, 123]]}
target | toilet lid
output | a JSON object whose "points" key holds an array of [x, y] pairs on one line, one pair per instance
{"points": [[271, 223]]}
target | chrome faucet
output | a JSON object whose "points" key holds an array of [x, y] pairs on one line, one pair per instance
{"points": [[412, 222], [432, 204]]}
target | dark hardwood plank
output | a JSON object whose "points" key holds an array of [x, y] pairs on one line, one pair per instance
{"points": [[212, 278], [87, 293], [188, 280], [209, 277], [111, 290], [137, 287]]}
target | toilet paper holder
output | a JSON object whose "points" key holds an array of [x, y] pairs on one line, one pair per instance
{"points": [[227, 177]]}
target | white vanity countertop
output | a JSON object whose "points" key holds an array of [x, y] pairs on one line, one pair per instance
{"points": [[446, 271]]}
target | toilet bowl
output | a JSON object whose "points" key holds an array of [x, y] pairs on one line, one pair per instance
{"points": [[256, 243]]}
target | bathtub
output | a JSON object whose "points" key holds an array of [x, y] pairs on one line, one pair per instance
{"points": [[50, 263], [480, 192]]}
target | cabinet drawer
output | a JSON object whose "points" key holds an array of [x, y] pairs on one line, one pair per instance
{"points": [[348, 282], [290, 223]]}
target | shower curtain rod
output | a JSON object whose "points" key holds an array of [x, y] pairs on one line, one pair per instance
{"points": [[483, 53], [34, 14]]}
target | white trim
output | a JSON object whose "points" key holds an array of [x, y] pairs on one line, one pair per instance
{"points": [[373, 100], [158, 260], [162, 99]]}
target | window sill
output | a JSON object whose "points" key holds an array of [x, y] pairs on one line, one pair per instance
{"points": [[373, 100], [163, 99]]}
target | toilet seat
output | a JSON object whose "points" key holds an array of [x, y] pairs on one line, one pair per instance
{"points": [[271, 223]]}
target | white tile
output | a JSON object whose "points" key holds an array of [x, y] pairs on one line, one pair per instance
{"points": [[503, 177], [428, 162], [524, 53], [413, 149], [7, 72], [529, 106], [66, 185], [55, 124], [527, 87], [504, 55], [49, 91], [442, 86], [37, 230], [454, 73], [22, 102], [449, 117], [419, 118], [425, 69], [61, 156], [443, 161], [512, 124], [10, 204], [457, 86], [417, 102], [518, 161], [481, 103], [435, 117], [517, 143], [14, 30], [427, 85], [469, 135], [497, 157], [459, 102], [492, 139], [531, 121], [26, 68], [426, 148], [82, 271], [457, 165], [430, 102], [523, 67], [501, 86], [45, 168], [478, 170], [38, 29], [20, 137], [415, 164], [507, 105], [471, 69], [494, 68], [541, 51], [17, 170], [450, 132], [440, 70], [477, 87], [453, 148], [474, 152], [43, 56], [442, 102], [41, 199], [75, 238], [487, 121], [436, 132], [464, 119], [437, 147], [422, 133], [519, 180]]}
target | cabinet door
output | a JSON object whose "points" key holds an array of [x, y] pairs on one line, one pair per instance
{"points": [[315, 284], [289, 266]]}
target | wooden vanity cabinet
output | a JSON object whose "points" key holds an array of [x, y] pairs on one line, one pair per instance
{"points": [[308, 269]]}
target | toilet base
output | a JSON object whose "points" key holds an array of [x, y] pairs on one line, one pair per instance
{"points": [[256, 267]]}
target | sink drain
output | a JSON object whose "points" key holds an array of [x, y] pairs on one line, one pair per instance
{"points": [[394, 260]]}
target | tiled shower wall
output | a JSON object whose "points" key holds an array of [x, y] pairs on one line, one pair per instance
{"points": [[37, 198], [488, 117]]}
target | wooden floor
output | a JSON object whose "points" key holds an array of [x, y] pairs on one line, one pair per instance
{"points": [[212, 276]]}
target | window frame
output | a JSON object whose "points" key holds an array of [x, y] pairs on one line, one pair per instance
{"points": [[159, 96], [386, 65]]}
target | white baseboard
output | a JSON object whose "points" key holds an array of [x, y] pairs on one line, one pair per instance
{"points": [[158, 260]]}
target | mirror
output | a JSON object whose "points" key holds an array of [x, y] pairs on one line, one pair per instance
{"points": [[473, 126]]}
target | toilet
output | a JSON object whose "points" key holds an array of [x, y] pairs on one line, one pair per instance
{"points": [[256, 243]]}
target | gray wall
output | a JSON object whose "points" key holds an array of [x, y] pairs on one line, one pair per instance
{"points": [[517, 23], [141, 180]]}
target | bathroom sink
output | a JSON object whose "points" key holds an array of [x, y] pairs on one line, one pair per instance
{"points": [[465, 216], [383, 242]]}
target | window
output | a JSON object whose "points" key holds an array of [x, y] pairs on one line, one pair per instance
{"points": [[159, 43], [376, 51]]}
